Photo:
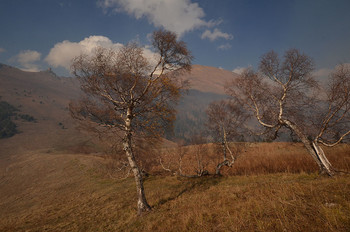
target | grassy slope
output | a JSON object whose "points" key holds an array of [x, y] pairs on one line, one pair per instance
{"points": [[255, 158], [67, 192]]}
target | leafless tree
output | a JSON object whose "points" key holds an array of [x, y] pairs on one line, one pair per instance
{"points": [[224, 123], [128, 98], [174, 159], [285, 94]]}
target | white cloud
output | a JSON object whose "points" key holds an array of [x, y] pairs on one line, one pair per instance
{"points": [[322, 73], [151, 56], [179, 16], [239, 70], [2, 50], [225, 46], [27, 60], [216, 34], [62, 53], [28, 56], [213, 23]]}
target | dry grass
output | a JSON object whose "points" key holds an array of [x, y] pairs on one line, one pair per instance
{"points": [[256, 158], [62, 192]]}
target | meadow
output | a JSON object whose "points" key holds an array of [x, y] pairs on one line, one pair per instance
{"points": [[271, 187]]}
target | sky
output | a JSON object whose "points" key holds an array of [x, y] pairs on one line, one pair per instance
{"points": [[229, 34]]}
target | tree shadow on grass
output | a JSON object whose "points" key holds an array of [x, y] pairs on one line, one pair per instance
{"points": [[190, 184]]}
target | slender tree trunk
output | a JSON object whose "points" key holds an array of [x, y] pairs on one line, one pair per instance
{"points": [[225, 147], [219, 166], [313, 148], [223, 163], [327, 167], [142, 205]]}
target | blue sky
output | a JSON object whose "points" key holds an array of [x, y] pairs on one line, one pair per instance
{"points": [[37, 34]]}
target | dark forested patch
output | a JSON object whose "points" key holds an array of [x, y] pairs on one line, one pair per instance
{"points": [[7, 113]]}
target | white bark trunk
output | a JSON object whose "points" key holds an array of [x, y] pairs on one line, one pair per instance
{"points": [[223, 163], [313, 148], [142, 205], [327, 167], [225, 148]]}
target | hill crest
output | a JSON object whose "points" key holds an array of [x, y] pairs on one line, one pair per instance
{"points": [[209, 79]]}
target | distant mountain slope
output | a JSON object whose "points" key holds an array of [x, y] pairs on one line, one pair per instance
{"points": [[45, 96], [209, 79], [191, 114], [206, 85]]}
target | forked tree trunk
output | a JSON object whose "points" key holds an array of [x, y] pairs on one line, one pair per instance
{"points": [[223, 163], [225, 148], [313, 148], [220, 165], [142, 205]]}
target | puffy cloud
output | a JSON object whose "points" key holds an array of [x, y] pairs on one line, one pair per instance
{"points": [[322, 73], [225, 46], [28, 56], [239, 70], [151, 56], [179, 16], [325, 72], [27, 60], [216, 34], [62, 53]]}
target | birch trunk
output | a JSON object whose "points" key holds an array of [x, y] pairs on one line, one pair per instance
{"points": [[142, 205], [219, 166], [327, 167], [225, 148], [223, 163], [313, 148]]}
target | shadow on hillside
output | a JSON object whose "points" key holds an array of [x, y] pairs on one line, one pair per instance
{"points": [[191, 184]]}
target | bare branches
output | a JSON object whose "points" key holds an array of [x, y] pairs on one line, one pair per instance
{"points": [[336, 122], [123, 93], [282, 94], [225, 122], [250, 91], [123, 79], [294, 71], [174, 157], [173, 54]]}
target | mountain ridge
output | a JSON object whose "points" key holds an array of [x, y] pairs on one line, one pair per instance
{"points": [[46, 96], [209, 79]]}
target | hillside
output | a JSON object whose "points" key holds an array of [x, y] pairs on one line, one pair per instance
{"points": [[46, 96], [209, 79], [206, 85], [52, 178], [74, 192]]}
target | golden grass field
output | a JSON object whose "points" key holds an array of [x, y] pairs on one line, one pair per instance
{"points": [[272, 187]]}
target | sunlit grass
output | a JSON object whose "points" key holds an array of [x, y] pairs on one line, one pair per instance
{"points": [[61, 192]]}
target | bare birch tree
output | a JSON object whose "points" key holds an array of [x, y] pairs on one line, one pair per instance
{"points": [[126, 95], [285, 94], [224, 123], [174, 159]]}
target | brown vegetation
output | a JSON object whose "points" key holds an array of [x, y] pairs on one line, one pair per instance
{"points": [[72, 192], [254, 158]]}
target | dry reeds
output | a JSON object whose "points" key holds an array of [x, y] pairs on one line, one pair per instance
{"points": [[257, 158]]}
